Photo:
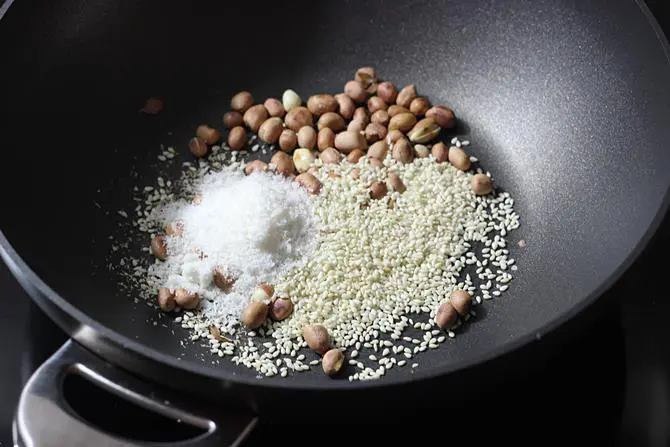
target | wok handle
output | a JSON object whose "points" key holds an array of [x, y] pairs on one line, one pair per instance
{"points": [[44, 418]]}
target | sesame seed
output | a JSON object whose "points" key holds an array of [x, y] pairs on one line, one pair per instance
{"points": [[396, 274]]}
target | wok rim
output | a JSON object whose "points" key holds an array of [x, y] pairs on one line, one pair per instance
{"points": [[24, 273]]}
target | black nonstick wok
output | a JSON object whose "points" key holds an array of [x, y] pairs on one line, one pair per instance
{"points": [[567, 102]]}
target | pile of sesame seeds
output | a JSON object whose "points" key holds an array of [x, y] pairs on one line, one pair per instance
{"points": [[381, 270], [384, 266]]}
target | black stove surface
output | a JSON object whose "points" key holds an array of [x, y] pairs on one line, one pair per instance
{"points": [[608, 386]]}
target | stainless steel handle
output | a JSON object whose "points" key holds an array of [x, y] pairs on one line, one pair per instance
{"points": [[44, 419]]}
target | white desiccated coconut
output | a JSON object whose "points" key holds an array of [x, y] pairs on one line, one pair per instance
{"points": [[257, 227]]}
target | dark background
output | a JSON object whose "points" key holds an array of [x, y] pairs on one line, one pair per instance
{"points": [[608, 386]]}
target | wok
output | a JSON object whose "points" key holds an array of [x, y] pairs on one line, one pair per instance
{"points": [[566, 102]]}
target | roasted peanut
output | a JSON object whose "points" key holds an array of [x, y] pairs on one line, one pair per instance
{"points": [[197, 147], [419, 106], [378, 190], [378, 150], [288, 140], [396, 110], [270, 130], [459, 158], [330, 156], [461, 301], [237, 138], [255, 116], [166, 300], [254, 314], [274, 107], [402, 151], [331, 120], [320, 104], [281, 309], [443, 116], [355, 155], [346, 106], [241, 101], [325, 139], [387, 92], [307, 137], [159, 247], [317, 338], [332, 362], [374, 132], [347, 141], [255, 166], [406, 95], [298, 117], [309, 182], [207, 134], [223, 279], [440, 152], [424, 131], [481, 184], [380, 117], [186, 299], [283, 164], [361, 115], [356, 91], [403, 122], [446, 316], [376, 103], [366, 76], [232, 119], [395, 183]]}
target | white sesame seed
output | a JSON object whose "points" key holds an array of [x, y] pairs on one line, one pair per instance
{"points": [[422, 276]]}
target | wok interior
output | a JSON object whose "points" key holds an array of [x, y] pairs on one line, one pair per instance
{"points": [[560, 107]]}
